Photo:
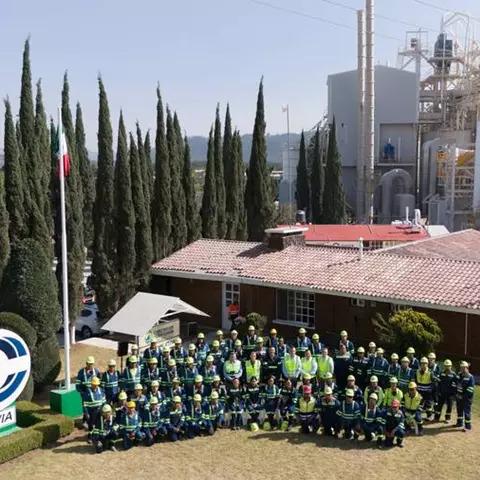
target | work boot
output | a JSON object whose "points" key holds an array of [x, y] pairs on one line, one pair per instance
{"points": [[400, 442], [437, 417], [459, 423], [99, 447], [420, 431], [379, 442]]}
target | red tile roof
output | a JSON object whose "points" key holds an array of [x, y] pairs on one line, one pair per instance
{"points": [[351, 233], [417, 279]]}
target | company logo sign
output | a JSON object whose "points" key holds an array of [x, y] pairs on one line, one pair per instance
{"points": [[14, 367]]}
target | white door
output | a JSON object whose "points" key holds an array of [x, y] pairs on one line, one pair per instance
{"points": [[231, 292]]}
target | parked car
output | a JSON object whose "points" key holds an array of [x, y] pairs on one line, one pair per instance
{"points": [[87, 324]]}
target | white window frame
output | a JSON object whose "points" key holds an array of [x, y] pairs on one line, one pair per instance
{"points": [[298, 302], [358, 302], [396, 307]]}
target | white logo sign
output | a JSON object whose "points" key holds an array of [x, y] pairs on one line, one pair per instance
{"points": [[14, 367]]}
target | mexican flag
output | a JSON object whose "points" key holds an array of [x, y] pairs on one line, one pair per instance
{"points": [[62, 154]]}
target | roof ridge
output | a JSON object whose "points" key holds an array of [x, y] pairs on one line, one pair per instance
{"points": [[425, 258]]}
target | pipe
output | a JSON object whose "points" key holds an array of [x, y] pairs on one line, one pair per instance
{"points": [[361, 214], [370, 109], [406, 213], [360, 248]]}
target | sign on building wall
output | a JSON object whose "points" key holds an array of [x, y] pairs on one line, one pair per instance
{"points": [[164, 331], [15, 363]]}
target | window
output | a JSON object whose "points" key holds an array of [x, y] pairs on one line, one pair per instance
{"points": [[357, 302], [296, 307], [395, 307]]}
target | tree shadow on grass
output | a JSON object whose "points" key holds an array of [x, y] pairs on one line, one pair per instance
{"points": [[83, 448]]}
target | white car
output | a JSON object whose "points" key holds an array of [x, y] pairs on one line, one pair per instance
{"points": [[87, 323]]}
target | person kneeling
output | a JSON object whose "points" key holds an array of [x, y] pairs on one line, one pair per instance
{"points": [[130, 428], [394, 425], [373, 421], [307, 412], [105, 431], [152, 426], [349, 415], [176, 427]]}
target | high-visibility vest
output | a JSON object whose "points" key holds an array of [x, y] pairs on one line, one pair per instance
{"points": [[306, 407], [290, 365], [307, 365], [253, 370], [412, 404], [323, 366], [390, 396], [424, 381]]}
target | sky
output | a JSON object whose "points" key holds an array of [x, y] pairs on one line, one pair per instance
{"points": [[200, 53]]}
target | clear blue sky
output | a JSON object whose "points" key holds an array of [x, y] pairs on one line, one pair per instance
{"points": [[201, 52]]}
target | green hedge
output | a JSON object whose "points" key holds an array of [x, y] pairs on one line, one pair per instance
{"points": [[38, 430]]}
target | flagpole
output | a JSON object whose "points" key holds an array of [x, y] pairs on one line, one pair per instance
{"points": [[66, 323]]}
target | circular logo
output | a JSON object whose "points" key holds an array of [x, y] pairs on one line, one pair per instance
{"points": [[14, 367]]}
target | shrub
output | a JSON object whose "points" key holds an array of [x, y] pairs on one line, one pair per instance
{"points": [[408, 328], [257, 320], [46, 362]]}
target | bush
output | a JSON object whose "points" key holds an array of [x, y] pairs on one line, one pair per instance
{"points": [[38, 430], [46, 362], [255, 319], [408, 328]]}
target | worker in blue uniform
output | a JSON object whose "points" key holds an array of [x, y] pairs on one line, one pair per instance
{"points": [[234, 402], [373, 421], [349, 415], [394, 425], [345, 341], [342, 362], [131, 375], [447, 390], [379, 368], [93, 400], [130, 429], [253, 403], [152, 424], [213, 413], [150, 372], [195, 419], [287, 404], [208, 372], [271, 397], [359, 368], [465, 391], [329, 407], [302, 343], [105, 430], [175, 425], [414, 363], [152, 351], [110, 382]]}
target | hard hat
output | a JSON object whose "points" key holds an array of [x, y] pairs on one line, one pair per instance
{"points": [[219, 332], [380, 350], [302, 330], [343, 333], [131, 404], [463, 363], [260, 340], [122, 395], [424, 360], [175, 380], [155, 383], [197, 397], [153, 401], [209, 358], [112, 363], [266, 425], [177, 399], [307, 389], [201, 336], [307, 376], [132, 359], [134, 347], [374, 378], [371, 345], [138, 386], [233, 332], [153, 360], [315, 336], [190, 360], [394, 356], [349, 392], [412, 385], [198, 378], [431, 356], [284, 426], [360, 350], [350, 377], [273, 331], [251, 328], [172, 362], [177, 341], [95, 381], [447, 363], [216, 378], [393, 380], [90, 360], [410, 350], [396, 403], [328, 391], [238, 343], [192, 346], [214, 395], [215, 343], [328, 375], [374, 396], [165, 349], [254, 427], [405, 360]]}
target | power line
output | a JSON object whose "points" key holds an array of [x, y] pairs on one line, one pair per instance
{"points": [[317, 18], [444, 10]]}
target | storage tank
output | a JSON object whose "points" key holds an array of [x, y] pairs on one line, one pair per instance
{"points": [[401, 201]]}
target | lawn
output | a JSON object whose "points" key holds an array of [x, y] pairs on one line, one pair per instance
{"points": [[444, 453]]}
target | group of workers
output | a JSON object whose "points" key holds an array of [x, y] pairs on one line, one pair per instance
{"points": [[176, 392]]}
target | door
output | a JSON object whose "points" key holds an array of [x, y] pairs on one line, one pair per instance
{"points": [[231, 293]]}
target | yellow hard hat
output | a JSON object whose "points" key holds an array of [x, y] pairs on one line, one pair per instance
{"points": [[90, 360], [111, 363], [132, 359], [131, 404], [216, 378], [405, 360], [431, 356], [95, 381], [215, 343], [175, 380], [464, 363], [273, 331], [106, 408], [260, 340], [349, 392], [447, 363], [214, 395], [350, 377], [192, 346], [372, 345], [122, 395], [165, 349], [374, 378], [197, 397], [315, 336], [254, 427], [343, 333], [267, 426], [238, 343], [200, 336], [155, 383], [302, 330], [198, 378], [360, 350], [233, 332], [251, 328], [393, 380], [328, 391], [410, 350], [138, 386], [380, 350], [394, 356], [190, 360], [307, 376], [328, 375], [172, 362], [177, 341], [424, 360], [412, 385], [177, 399], [153, 401], [153, 360], [134, 347], [219, 332], [209, 358], [374, 396]]}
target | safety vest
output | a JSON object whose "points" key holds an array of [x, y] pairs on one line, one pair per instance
{"points": [[305, 407], [412, 404], [103, 426], [324, 366], [307, 365], [290, 365], [94, 398], [390, 396], [424, 381], [232, 367], [253, 370]]}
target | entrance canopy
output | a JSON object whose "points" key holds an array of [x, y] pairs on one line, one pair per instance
{"points": [[144, 311]]}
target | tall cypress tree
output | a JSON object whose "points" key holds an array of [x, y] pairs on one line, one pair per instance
{"points": [[191, 207], [4, 241], [227, 152], [230, 179], [74, 214], [316, 180], [86, 176], [14, 198], [147, 150], [143, 232], [124, 218], [162, 198], [178, 235], [303, 187], [219, 176], [239, 173], [333, 194], [179, 141], [146, 180], [209, 200], [104, 250], [260, 207]]}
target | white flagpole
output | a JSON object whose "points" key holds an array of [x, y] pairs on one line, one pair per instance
{"points": [[66, 326]]}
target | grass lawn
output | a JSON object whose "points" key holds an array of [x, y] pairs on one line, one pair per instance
{"points": [[444, 453]]}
